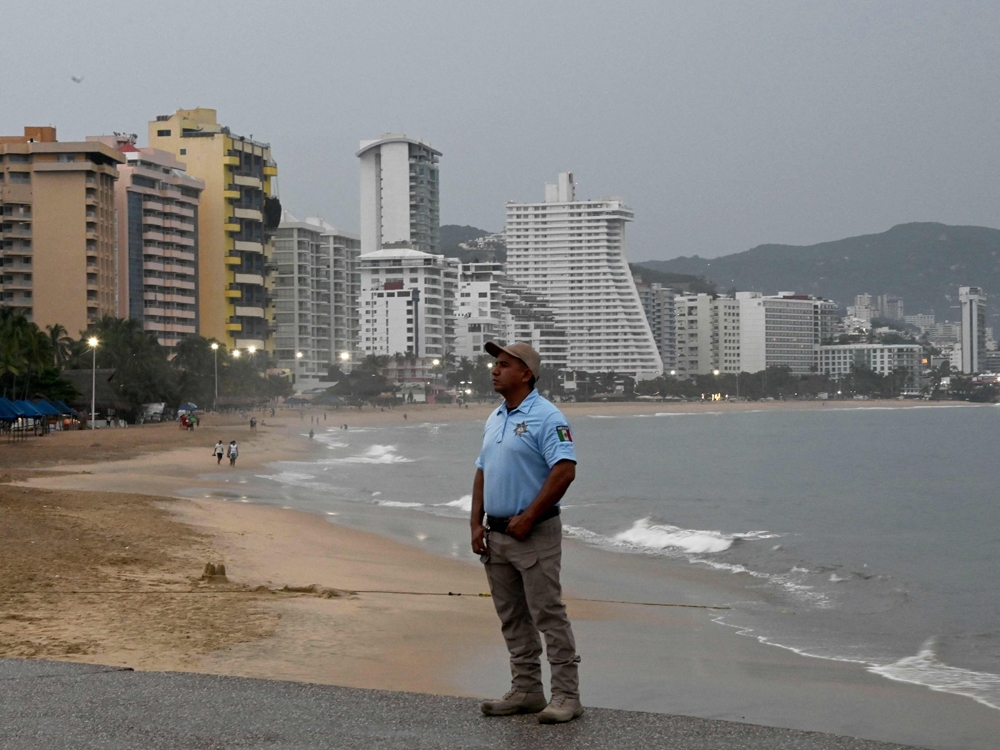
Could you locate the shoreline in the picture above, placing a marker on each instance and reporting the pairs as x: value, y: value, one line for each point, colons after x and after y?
x: 452, y: 645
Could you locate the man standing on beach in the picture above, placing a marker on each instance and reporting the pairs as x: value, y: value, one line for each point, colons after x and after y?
x: 220, y: 451
x: 526, y: 464
x: 234, y: 452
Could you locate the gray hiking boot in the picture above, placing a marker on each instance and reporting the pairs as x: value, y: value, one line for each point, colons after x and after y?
x: 514, y: 702
x: 560, y: 709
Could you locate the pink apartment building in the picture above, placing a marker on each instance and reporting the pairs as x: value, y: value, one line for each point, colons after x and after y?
x: 157, y: 206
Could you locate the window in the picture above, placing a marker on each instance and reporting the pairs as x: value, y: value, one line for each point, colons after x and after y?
x: 163, y: 133
x: 20, y: 177
x: 183, y: 150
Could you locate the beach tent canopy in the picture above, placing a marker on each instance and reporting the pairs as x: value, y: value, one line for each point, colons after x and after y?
x: 187, y: 407
x: 29, y: 409
x: 19, y: 411
x: 63, y: 409
x: 6, y: 413
x: 12, y: 407
x: 46, y: 408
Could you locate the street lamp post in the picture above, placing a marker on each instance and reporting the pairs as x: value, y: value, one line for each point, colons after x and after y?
x: 93, y: 342
x: 298, y: 357
x: 215, y: 350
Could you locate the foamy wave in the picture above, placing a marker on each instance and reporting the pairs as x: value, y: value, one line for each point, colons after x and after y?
x: 648, y: 535
x: 463, y: 503
x: 685, y: 413
x: 925, y: 669
x: 291, y: 478
x: 398, y: 504
x: 645, y: 536
x: 376, y: 454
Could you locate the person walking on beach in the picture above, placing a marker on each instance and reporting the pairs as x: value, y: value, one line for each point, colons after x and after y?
x: 526, y: 464
x: 234, y: 452
x: 311, y: 434
x: 220, y: 451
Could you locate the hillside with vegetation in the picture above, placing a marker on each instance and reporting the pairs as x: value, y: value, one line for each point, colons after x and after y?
x: 680, y: 281
x: 924, y: 263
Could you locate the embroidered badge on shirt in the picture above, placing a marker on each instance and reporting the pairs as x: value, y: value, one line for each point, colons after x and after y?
x: 564, y: 435
x: 521, y: 429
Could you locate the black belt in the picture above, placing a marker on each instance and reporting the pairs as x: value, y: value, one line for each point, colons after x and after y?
x: 499, y: 525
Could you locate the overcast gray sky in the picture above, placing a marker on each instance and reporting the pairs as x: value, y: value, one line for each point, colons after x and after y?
x: 724, y: 125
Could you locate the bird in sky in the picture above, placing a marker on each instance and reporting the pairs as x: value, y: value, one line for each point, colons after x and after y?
x: 77, y: 79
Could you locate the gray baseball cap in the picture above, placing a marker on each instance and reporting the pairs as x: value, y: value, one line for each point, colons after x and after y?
x: 520, y: 351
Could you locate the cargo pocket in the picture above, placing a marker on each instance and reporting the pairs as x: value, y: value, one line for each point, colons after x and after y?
x: 524, y: 560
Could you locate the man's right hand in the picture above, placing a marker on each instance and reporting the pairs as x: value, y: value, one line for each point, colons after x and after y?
x: 479, y: 539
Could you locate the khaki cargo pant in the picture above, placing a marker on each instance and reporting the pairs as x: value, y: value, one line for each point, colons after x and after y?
x: 524, y: 583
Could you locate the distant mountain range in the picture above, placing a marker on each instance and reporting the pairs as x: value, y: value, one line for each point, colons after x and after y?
x: 924, y: 263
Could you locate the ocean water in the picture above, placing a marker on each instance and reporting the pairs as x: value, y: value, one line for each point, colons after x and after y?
x: 878, y: 529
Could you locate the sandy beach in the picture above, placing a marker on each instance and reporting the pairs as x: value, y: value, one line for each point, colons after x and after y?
x: 103, y: 562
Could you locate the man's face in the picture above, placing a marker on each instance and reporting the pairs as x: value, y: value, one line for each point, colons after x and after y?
x: 509, y: 373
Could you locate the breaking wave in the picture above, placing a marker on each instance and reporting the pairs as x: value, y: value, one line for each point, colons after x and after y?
x: 375, y: 454
x: 926, y: 669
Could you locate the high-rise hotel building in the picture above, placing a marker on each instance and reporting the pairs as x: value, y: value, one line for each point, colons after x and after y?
x: 400, y: 202
x: 157, y: 227
x: 572, y: 253
x: 57, y: 229
x: 316, y: 289
x: 235, y: 248
x: 407, y: 303
x: 973, y: 346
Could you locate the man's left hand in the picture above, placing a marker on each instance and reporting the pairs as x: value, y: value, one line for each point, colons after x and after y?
x: 519, y: 527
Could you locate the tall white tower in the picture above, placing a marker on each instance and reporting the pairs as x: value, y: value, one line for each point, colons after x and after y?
x: 572, y: 253
x: 973, y: 327
x: 400, y: 203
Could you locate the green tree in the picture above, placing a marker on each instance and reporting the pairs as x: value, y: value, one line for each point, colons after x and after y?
x: 60, y: 343
x: 142, y: 371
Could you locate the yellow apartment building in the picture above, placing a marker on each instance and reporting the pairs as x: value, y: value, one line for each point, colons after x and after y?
x: 234, y: 245
x: 57, y: 229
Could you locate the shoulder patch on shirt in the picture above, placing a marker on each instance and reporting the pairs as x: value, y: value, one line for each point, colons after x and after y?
x: 564, y: 434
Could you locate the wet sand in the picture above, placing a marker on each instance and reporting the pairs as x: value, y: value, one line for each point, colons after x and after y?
x: 664, y: 659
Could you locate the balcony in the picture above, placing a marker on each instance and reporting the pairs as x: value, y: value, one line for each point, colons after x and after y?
x: 233, y: 294
x: 231, y: 227
x: 250, y: 312
x: 231, y: 161
x: 271, y: 170
x: 234, y: 326
x: 231, y: 194
x: 246, y: 181
x: 248, y: 213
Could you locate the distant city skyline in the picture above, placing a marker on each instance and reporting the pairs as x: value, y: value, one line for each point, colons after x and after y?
x: 723, y: 126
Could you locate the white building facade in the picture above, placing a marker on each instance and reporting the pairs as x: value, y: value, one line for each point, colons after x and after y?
x: 973, y: 334
x: 316, y: 297
x: 694, y: 332
x: 492, y: 308
x: 400, y: 201
x: 784, y: 330
x: 572, y: 254
x: 837, y: 360
x: 658, y: 303
x: 407, y: 303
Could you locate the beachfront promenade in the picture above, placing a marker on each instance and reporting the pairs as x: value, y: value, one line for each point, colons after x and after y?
x: 57, y: 705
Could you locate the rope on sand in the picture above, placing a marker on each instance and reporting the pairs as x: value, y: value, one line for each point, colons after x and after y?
x: 357, y: 591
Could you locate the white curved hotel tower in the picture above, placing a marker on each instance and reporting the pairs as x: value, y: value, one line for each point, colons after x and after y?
x: 573, y: 254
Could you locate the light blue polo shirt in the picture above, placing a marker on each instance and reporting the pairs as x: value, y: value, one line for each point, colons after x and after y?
x: 520, y: 447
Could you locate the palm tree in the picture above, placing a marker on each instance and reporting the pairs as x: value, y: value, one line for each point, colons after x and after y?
x: 60, y: 342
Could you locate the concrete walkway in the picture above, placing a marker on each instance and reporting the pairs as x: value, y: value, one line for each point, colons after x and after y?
x: 60, y: 705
